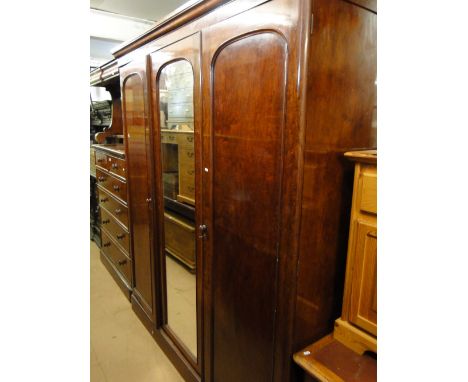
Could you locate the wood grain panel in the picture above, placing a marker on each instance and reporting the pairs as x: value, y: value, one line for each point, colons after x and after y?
x: 247, y: 143
x: 114, y: 206
x: 138, y: 162
x: 340, y: 110
x: 118, y: 257
x: 115, y: 230
x: 368, y: 201
x: 363, y: 304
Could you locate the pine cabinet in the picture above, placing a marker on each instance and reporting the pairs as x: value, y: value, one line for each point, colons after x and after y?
x: 357, y: 327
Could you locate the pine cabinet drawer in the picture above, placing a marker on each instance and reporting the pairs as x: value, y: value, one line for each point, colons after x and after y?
x: 168, y: 137
x: 113, y: 185
x: 112, y: 205
x: 117, y: 256
x: 187, y: 190
x: 186, y: 172
x: 186, y: 157
x: 115, y: 230
x: 368, y: 183
x: 186, y: 140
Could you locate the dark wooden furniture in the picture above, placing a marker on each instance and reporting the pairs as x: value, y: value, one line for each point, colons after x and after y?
x: 95, y: 225
x: 281, y: 89
x: 349, y: 353
x: 107, y: 76
x: 111, y: 175
x: 328, y: 360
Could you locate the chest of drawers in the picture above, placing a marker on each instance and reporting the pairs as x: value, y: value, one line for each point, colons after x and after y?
x: 182, y: 161
x: 111, y: 176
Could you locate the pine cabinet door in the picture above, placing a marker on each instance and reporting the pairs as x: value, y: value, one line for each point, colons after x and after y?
x: 363, y: 307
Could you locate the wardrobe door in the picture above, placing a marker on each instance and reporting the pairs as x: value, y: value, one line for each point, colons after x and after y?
x: 249, y: 73
x: 136, y: 123
x: 175, y: 83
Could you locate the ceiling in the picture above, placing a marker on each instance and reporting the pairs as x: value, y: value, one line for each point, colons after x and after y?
x: 143, y: 9
x: 115, y: 21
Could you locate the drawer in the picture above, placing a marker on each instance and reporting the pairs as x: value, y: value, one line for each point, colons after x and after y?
x: 187, y: 173
x: 112, y: 205
x: 187, y: 183
x: 117, y: 166
x: 113, y: 185
x: 186, y: 193
x: 186, y: 157
x: 368, y: 202
x: 101, y: 160
x: 179, y: 237
x: 115, y: 230
x: 186, y: 139
x: 168, y: 137
x: 117, y: 256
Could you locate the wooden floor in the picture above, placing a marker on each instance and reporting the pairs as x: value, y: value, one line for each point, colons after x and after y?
x: 121, y: 348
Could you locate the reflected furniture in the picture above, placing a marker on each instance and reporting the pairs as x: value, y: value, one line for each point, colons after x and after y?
x: 236, y: 115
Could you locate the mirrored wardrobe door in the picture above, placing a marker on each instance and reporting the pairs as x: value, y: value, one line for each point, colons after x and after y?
x: 176, y: 105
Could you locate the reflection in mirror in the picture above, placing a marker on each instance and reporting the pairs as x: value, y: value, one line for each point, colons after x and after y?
x: 100, y: 108
x: 178, y: 177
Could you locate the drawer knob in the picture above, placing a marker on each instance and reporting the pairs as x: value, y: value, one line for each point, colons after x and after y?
x: 103, y: 200
x: 190, y: 139
x: 203, y: 231
x: 101, y: 179
x: 148, y: 200
x: 121, y: 236
x: 106, y: 221
x: 123, y: 262
x: 115, y: 187
x: 190, y: 154
x: 106, y: 244
x: 117, y: 211
x: 115, y: 165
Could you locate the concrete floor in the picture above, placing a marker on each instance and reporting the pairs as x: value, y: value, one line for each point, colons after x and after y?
x: 121, y: 348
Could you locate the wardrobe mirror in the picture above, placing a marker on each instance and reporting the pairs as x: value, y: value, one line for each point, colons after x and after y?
x: 178, y: 185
